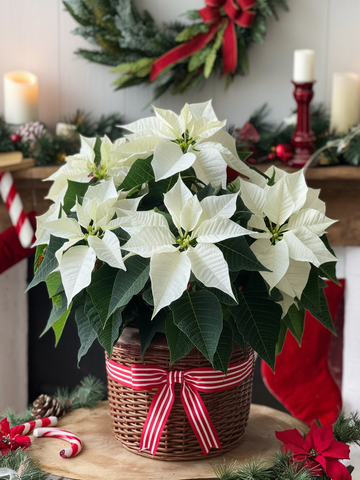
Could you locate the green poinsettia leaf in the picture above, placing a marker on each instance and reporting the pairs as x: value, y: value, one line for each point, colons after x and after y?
x: 313, y: 299
x: 59, y: 309
x: 179, y: 343
x: 282, y: 336
x: 53, y: 283
x: 39, y: 253
x: 258, y: 318
x: 223, y: 297
x: 130, y: 282
x: 239, y: 255
x: 140, y: 172
x: 100, y: 290
x: 295, y: 322
x: 148, y: 328
x: 148, y: 296
x: 87, y: 334
x: 109, y: 334
x: 242, y: 214
x: 97, y: 151
x: 157, y: 190
x: 207, y: 191
x: 49, y: 262
x: 59, y: 325
x: 237, y: 336
x: 199, y: 316
x: 328, y: 270
x: 74, y: 190
x: 224, y: 349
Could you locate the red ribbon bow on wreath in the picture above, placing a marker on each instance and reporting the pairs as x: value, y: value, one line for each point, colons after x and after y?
x: 216, y: 12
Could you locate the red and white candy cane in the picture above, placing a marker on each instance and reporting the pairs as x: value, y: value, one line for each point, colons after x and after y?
x: 28, y: 427
x: 74, y: 441
x: 12, y: 200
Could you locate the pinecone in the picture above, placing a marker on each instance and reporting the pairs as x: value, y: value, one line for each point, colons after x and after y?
x: 46, y: 406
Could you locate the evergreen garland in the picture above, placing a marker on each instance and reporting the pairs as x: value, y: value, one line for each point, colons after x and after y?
x: 20, y: 462
x: 330, y: 149
x: 49, y: 149
x: 131, y: 42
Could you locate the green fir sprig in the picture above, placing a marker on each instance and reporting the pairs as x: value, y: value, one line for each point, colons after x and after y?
x: 347, y: 428
x: 20, y: 461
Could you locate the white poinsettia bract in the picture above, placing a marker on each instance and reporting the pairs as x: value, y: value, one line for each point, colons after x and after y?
x: 199, y: 225
x: 294, y: 217
x: 195, y: 138
x: 89, y: 237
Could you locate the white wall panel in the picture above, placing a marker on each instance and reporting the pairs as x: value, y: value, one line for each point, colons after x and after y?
x: 29, y: 40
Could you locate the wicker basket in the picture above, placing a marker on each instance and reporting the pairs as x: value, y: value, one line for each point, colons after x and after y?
x: 228, y: 410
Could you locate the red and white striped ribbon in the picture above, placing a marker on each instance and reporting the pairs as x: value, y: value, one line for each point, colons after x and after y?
x: 28, y: 427
x: 12, y: 200
x: 193, y: 381
x: 75, y: 442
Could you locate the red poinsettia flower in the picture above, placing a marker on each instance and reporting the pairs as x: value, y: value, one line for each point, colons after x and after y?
x: 318, y: 451
x: 11, y: 438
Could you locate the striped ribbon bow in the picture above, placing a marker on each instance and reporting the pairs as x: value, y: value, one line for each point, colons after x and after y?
x: 193, y: 381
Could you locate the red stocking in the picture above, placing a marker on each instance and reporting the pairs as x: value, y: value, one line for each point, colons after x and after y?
x: 11, y: 251
x: 302, y: 381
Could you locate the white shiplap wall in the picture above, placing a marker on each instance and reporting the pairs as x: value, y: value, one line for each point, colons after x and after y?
x: 36, y: 36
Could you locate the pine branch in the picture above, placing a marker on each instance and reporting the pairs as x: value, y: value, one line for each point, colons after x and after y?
x: 17, y: 418
x: 21, y: 462
x: 347, y: 428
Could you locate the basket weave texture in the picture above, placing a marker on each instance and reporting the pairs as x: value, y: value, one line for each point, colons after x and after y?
x: 228, y: 409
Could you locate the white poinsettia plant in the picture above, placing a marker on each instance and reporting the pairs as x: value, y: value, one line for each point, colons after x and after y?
x: 147, y: 231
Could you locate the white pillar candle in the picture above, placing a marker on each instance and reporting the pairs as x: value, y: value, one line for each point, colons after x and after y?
x: 345, y: 103
x: 304, y: 66
x: 21, y: 92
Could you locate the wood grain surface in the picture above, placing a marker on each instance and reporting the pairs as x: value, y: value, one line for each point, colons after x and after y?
x: 103, y: 457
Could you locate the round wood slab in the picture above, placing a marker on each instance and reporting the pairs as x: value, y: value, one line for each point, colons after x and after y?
x: 103, y: 457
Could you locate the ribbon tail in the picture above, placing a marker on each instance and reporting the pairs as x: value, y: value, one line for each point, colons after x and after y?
x: 199, y: 419
x: 229, y: 49
x: 183, y: 51
x: 157, y: 417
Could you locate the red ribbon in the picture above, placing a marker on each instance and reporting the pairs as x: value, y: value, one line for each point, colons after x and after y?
x: 237, y: 12
x: 193, y: 381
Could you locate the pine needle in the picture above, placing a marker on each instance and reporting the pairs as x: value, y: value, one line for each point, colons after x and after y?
x: 17, y: 419
x: 347, y: 428
x: 20, y: 461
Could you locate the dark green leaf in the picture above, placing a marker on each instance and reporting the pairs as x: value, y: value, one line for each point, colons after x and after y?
x: 59, y: 310
x: 207, y: 191
x: 295, y: 321
x: 130, y: 282
x: 237, y: 336
x: 199, y: 316
x: 148, y: 296
x: 74, y: 190
x: 179, y: 343
x: 101, y: 290
x: 239, y: 255
x: 49, y: 262
x: 224, y: 349
x: 140, y: 172
x: 97, y: 151
x: 148, y: 328
x: 53, y: 282
x: 86, y: 333
x: 242, y: 214
x: 282, y: 336
x: 157, y: 190
x: 258, y: 318
x: 38, y: 256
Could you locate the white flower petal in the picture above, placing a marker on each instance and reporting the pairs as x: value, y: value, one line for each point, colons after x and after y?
x: 279, y: 203
x: 274, y: 257
x: 217, y: 229
x: 150, y: 240
x: 257, y: 222
x: 297, y: 188
x: 313, y: 201
x: 210, y: 267
x: 204, y: 109
x: 64, y: 228
x: 279, y: 173
x: 295, y: 279
x: 169, y: 274
x: 169, y: 159
x: 253, y: 196
x: 299, y: 251
x: 172, y: 121
x: 204, y: 128
x: 209, y: 165
x: 76, y: 267
x: 135, y: 222
x: 59, y: 253
x: 223, y: 206
x: 190, y: 214
x: 314, y: 243
x: 312, y: 219
x: 149, y: 123
x: 107, y: 249
x: 175, y: 200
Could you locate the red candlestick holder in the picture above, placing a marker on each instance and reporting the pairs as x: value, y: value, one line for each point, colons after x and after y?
x: 303, y: 138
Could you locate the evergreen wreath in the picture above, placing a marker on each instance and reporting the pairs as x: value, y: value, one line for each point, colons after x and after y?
x: 179, y: 57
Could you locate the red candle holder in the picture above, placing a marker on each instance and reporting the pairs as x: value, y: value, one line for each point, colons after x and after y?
x: 303, y: 138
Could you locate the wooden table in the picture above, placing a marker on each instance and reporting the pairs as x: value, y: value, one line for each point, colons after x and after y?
x: 103, y: 457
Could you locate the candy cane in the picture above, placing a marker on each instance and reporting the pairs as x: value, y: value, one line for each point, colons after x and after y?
x: 11, y: 198
x: 75, y: 441
x: 42, y: 422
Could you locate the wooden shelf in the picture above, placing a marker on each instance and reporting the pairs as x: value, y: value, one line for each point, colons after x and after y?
x: 340, y: 189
